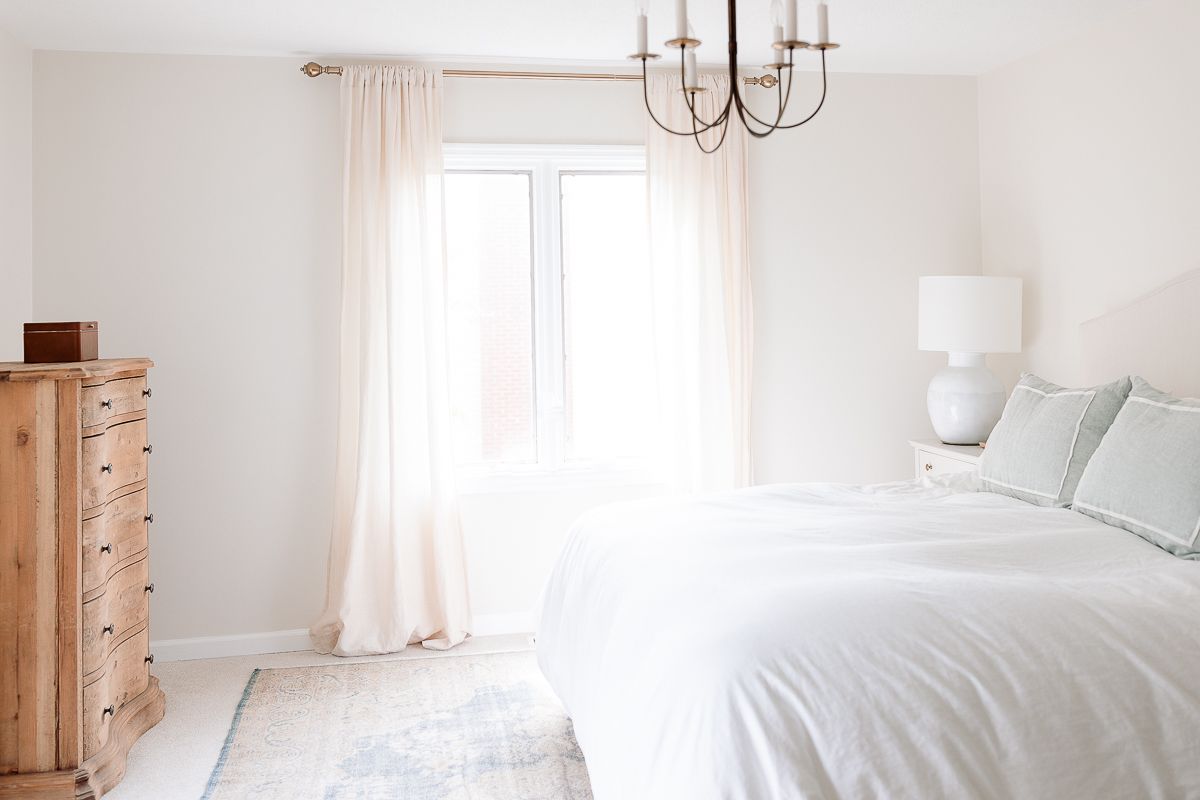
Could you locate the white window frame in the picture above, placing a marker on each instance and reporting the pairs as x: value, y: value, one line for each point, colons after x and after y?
x: 545, y: 164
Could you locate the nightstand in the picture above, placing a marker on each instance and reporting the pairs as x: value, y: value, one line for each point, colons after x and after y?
x: 934, y: 458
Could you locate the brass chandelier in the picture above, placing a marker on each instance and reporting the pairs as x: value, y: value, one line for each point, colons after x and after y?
x: 786, y: 43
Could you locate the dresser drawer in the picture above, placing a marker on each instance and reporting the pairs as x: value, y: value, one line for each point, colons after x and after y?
x: 112, y: 460
x: 108, y: 617
x: 112, y: 399
x: 112, y: 537
x: 125, y: 675
x: 930, y: 464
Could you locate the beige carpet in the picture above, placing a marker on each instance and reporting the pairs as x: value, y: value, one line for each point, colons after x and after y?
x: 468, y: 728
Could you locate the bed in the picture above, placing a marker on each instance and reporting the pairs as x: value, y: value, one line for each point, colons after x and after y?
x: 919, y: 639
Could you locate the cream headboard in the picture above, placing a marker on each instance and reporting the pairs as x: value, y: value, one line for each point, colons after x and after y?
x: 1156, y: 336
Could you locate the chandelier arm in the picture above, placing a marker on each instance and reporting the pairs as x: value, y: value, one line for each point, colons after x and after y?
x: 779, y: 88
x: 743, y: 113
x: 783, y: 98
x: 650, y: 111
x: 690, y: 100
x: 707, y: 126
x: 824, y: 91
x: 691, y: 104
x: 734, y: 95
x: 787, y: 96
x: 772, y: 125
x: 721, y: 141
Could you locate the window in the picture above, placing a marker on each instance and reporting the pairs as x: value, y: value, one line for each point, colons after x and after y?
x: 550, y: 341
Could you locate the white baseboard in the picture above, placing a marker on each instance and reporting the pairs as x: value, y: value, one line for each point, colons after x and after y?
x: 256, y: 644
x: 241, y: 644
x: 500, y: 624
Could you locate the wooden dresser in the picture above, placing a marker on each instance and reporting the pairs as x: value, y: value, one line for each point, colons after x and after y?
x: 75, y: 684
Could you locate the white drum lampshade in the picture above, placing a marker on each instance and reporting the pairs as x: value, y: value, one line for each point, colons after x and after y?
x: 968, y: 316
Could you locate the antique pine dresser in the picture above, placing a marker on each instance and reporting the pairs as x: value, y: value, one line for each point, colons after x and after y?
x: 75, y: 684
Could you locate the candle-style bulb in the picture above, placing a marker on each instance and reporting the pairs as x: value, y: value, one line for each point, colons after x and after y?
x: 776, y: 21
x: 789, y: 24
x: 822, y: 23
x: 681, y: 19
x: 690, y: 79
x: 641, y: 11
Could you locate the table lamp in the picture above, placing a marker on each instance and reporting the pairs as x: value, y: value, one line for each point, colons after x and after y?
x: 968, y: 316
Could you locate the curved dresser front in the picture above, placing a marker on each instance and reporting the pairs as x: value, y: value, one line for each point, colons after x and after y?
x: 75, y: 685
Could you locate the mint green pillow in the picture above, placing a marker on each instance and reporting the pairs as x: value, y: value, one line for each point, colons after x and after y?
x: 1145, y: 476
x: 1045, y: 438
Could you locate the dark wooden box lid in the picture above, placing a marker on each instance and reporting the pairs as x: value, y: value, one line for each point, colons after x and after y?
x: 60, y: 327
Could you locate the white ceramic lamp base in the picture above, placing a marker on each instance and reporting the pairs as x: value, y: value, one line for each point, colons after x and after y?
x: 965, y: 400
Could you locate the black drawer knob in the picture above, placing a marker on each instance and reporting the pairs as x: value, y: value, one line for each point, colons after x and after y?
x: 148, y: 449
x: 147, y: 392
x: 106, y: 548
x: 109, y: 710
x: 150, y: 588
x: 107, y: 468
x: 150, y: 658
x: 150, y: 518
x: 110, y: 628
x: 107, y: 404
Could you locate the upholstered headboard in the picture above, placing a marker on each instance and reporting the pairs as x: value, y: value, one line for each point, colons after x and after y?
x: 1156, y: 336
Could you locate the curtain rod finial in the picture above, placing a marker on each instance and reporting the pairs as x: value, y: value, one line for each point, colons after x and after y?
x: 312, y: 69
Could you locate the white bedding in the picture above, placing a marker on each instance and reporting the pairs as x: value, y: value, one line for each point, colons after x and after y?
x: 898, y: 641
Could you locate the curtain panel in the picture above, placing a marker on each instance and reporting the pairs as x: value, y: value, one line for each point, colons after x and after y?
x: 397, y: 573
x: 700, y: 265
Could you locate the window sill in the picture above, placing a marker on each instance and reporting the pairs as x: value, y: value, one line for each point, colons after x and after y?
x: 535, y: 480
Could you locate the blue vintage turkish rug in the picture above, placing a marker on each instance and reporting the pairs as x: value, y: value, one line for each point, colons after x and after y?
x: 483, y: 727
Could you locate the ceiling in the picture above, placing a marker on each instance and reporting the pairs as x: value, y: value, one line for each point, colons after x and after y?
x: 902, y: 36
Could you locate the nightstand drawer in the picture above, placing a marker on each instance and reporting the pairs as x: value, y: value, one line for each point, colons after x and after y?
x: 931, y: 464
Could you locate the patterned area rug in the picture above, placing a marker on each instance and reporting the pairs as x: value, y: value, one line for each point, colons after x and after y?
x: 483, y: 727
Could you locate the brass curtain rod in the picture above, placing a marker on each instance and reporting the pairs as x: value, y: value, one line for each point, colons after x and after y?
x: 312, y: 69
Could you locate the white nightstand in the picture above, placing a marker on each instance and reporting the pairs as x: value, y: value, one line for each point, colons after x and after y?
x: 934, y: 458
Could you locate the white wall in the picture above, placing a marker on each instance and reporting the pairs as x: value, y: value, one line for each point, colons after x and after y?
x: 541, y: 112
x: 846, y: 213
x: 16, y: 193
x: 1090, y: 170
x: 191, y: 204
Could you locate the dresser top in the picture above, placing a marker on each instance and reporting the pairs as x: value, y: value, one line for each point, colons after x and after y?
x: 100, y: 368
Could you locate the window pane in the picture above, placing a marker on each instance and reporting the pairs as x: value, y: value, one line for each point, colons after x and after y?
x: 607, y: 333
x: 489, y: 295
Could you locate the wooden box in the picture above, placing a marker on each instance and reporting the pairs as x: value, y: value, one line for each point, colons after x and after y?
x: 55, y: 342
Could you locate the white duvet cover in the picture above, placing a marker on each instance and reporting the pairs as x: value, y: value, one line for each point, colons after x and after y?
x: 898, y: 641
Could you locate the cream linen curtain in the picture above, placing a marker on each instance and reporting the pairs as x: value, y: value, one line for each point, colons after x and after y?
x: 700, y: 266
x: 396, y: 568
